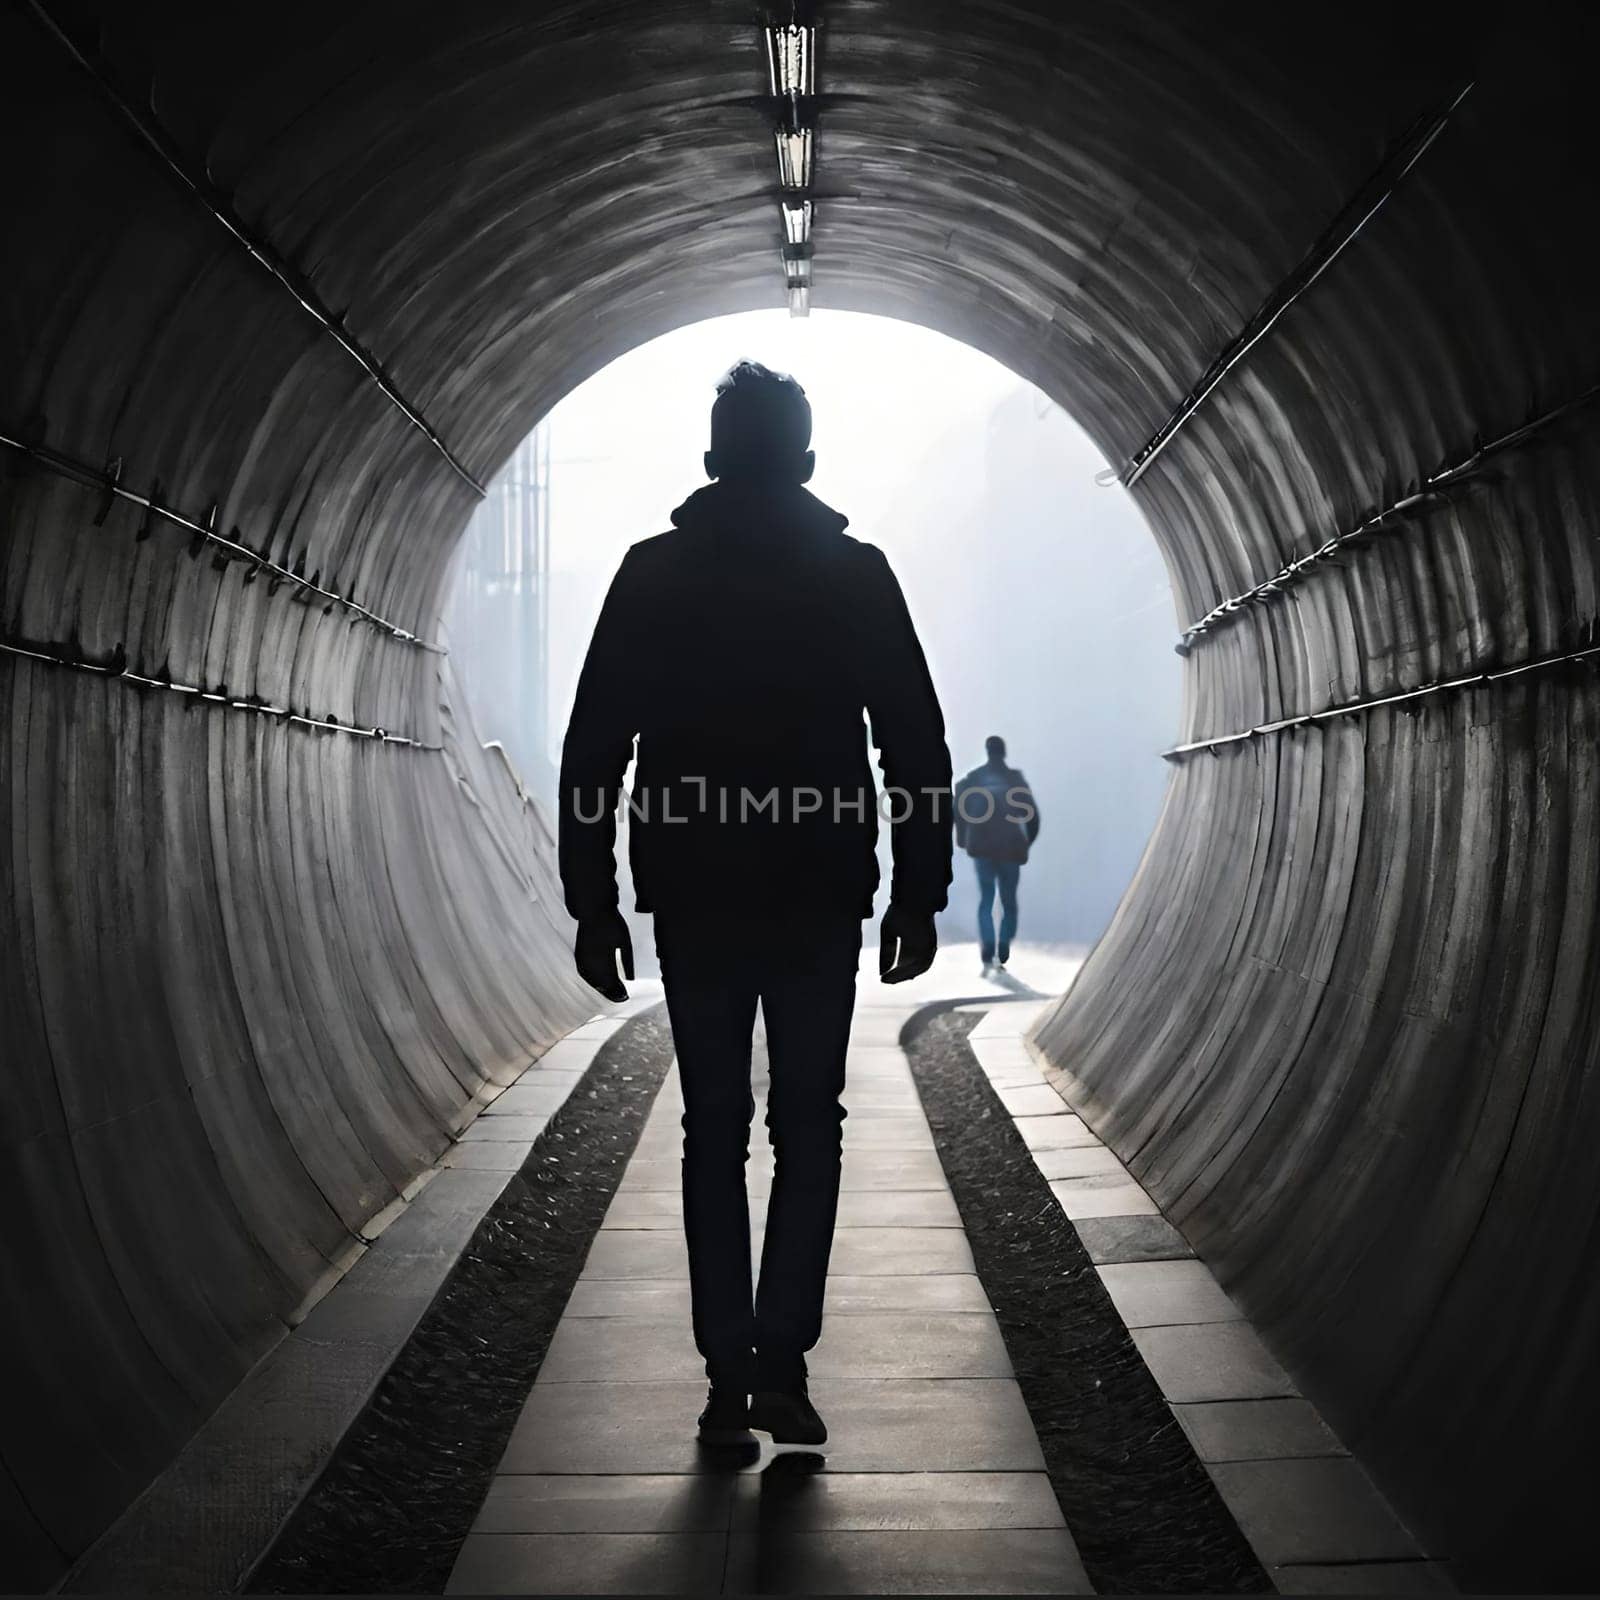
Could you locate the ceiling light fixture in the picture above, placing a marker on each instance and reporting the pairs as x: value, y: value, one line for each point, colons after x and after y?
x: 797, y: 222
x: 794, y: 158
x: 792, y: 61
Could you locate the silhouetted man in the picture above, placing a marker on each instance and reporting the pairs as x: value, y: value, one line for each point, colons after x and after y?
x: 741, y: 649
x: 997, y: 820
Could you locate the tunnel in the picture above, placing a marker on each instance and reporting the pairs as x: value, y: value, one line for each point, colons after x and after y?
x: 285, y: 284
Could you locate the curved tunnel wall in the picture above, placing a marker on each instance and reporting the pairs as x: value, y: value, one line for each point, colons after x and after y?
x: 256, y: 971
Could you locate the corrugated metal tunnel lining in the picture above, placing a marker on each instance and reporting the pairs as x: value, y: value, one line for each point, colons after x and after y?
x: 255, y: 971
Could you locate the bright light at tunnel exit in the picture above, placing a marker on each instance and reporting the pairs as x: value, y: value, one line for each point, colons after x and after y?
x: 1043, y: 605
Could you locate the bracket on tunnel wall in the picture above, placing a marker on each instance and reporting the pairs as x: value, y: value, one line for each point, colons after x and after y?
x: 1363, y: 206
x: 1430, y: 489
x: 115, y: 666
x: 110, y: 485
x: 1590, y: 655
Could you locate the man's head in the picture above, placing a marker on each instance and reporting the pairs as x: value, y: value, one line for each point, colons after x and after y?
x: 996, y: 747
x: 760, y: 426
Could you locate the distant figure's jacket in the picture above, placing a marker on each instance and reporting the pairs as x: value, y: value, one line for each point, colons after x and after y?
x: 997, y: 818
x: 741, y: 649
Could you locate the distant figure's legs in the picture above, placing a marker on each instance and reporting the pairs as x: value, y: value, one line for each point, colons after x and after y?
x: 711, y: 1000
x: 986, y: 883
x: 1006, y: 875
x: 807, y: 995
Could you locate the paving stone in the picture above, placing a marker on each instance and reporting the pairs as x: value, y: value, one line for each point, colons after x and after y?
x: 525, y: 1128
x: 1253, y: 1430
x: 1014, y: 1018
x: 598, y: 1028
x: 892, y: 1169
x: 637, y: 1253
x: 1016, y: 1077
x: 927, y: 1425
x: 850, y: 1295
x: 887, y: 1132
x: 1036, y: 1100
x: 645, y: 1208
x: 666, y: 1300
x: 1080, y: 1161
x: 574, y: 1051
x: 1148, y: 1294
x: 626, y: 1349
x: 1107, y: 1196
x: 632, y: 1428
x: 1211, y: 1361
x: 1142, y: 1238
x: 873, y: 1025
x: 889, y: 1344
x: 898, y: 1208
x: 881, y: 1093
x: 996, y: 1052
x: 488, y: 1155
x: 1311, y: 1511
x: 527, y: 1098
x: 699, y: 1502
x: 1055, y: 1132
x: 590, y: 1563
x: 1365, y: 1577
x: 663, y: 1144
x: 861, y: 1252
x: 884, y: 1501
x: 982, y: 1561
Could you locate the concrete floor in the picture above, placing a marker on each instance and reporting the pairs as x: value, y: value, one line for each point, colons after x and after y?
x: 932, y: 1480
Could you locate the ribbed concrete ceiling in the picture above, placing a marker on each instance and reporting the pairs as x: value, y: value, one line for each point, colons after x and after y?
x: 256, y: 972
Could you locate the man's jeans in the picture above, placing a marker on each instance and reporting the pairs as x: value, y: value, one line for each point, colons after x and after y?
x: 803, y: 972
x: 991, y: 875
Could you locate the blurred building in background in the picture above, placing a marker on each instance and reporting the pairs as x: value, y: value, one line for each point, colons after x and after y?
x: 497, y: 620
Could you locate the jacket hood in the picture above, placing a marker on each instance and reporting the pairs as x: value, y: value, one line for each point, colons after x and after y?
x: 738, y: 503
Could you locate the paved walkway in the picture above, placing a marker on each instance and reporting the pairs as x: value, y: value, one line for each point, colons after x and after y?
x: 932, y: 1480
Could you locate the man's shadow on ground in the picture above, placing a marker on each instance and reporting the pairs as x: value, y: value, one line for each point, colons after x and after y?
x: 766, y: 1545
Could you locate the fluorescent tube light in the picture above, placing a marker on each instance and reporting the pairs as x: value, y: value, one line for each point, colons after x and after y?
x: 794, y: 157
x: 797, y: 222
x: 792, y: 61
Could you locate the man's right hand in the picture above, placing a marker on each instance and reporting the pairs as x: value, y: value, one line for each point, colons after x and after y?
x: 600, y: 941
x: 907, y: 944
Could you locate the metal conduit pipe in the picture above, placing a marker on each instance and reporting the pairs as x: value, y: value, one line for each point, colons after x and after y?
x: 1344, y: 1026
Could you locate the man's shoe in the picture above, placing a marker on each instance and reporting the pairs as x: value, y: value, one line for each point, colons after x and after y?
x: 788, y: 1415
x: 726, y: 1418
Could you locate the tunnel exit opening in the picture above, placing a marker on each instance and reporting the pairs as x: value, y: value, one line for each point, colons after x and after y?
x: 1042, y: 599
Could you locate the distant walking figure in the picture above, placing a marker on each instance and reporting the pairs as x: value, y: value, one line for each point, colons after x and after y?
x: 997, y: 820
x: 741, y: 649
